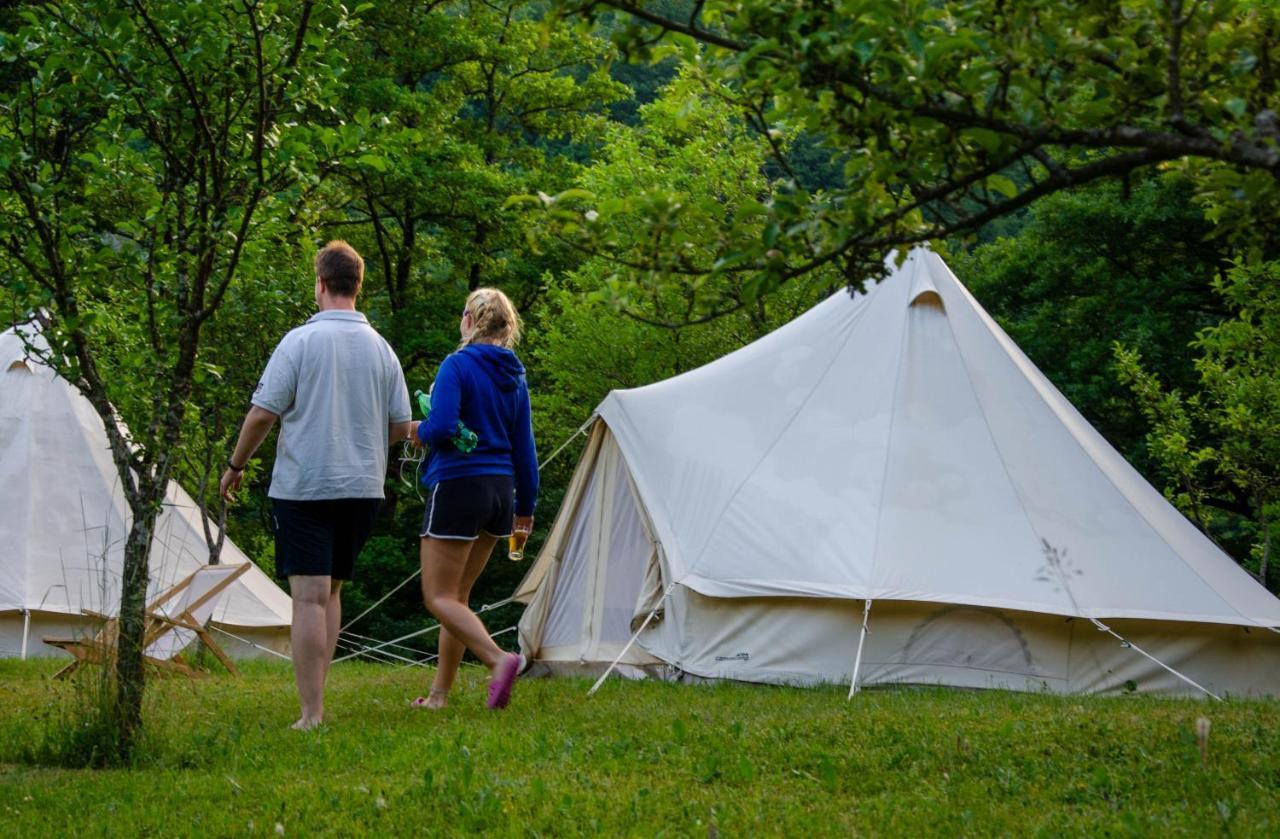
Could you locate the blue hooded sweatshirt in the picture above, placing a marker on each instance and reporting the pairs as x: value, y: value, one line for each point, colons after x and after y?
x: 484, y: 386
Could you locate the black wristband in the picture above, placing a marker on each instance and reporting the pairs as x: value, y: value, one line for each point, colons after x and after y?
x: 233, y: 467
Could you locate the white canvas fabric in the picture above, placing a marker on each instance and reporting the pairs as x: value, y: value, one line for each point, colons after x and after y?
x: 64, y: 521
x: 178, y: 639
x: 805, y: 641
x: 893, y: 446
x: 592, y: 604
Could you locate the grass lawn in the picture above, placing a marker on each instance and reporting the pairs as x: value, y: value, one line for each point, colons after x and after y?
x: 642, y: 759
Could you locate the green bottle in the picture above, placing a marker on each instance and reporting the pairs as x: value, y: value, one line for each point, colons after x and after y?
x: 464, y: 439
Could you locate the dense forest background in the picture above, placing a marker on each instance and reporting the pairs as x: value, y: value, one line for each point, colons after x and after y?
x: 169, y: 170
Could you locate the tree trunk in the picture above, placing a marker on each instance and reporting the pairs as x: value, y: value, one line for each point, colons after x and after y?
x: 209, y: 472
x: 130, y: 673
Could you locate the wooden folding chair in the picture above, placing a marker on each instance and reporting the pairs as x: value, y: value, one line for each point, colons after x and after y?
x: 174, y: 619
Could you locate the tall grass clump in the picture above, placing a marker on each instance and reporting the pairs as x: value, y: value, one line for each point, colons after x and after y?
x: 79, y: 727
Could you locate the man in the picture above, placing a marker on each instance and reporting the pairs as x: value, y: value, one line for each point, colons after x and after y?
x: 338, y: 390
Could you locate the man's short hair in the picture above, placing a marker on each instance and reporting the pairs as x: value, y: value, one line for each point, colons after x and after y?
x: 341, y: 268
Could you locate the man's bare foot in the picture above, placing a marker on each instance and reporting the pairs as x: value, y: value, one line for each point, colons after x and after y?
x: 307, y: 723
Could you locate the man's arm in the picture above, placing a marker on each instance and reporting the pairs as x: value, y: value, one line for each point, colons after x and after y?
x: 398, y: 431
x: 257, y: 424
x: 398, y: 404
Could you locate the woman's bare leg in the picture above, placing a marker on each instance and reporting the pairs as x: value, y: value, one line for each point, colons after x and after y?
x: 452, y: 649
x: 444, y: 569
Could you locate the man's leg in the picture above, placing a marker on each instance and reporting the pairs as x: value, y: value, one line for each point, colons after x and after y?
x: 351, y: 521
x: 333, y: 623
x: 311, y: 648
x: 452, y: 649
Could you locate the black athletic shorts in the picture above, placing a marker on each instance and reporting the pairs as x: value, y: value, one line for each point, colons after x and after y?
x: 460, y: 508
x: 321, y: 538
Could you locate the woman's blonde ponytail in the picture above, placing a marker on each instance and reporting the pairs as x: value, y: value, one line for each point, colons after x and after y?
x: 494, y: 320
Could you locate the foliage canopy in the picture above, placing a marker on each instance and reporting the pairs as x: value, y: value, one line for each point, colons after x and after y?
x: 947, y: 116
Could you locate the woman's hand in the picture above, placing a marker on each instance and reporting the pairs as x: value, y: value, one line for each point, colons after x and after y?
x: 413, y: 439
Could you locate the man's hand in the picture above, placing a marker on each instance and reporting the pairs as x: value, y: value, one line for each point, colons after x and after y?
x: 230, y: 483
x: 413, y: 434
x: 254, y: 430
x: 524, y: 523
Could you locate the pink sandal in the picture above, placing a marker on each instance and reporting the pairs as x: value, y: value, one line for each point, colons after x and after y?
x: 504, y: 680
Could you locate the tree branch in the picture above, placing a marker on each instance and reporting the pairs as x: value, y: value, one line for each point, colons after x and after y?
x: 193, y: 95
x: 669, y: 25
x: 260, y: 123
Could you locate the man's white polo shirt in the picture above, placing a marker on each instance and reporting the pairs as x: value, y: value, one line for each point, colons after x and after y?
x: 336, y: 385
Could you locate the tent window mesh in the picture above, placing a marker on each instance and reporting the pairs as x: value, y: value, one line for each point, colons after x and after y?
x: 629, y: 551
x: 564, y: 623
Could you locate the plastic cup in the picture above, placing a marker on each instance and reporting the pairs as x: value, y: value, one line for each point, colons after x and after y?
x: 515, y: 545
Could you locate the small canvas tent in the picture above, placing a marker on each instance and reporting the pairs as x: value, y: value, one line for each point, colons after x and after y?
x: 63, y: 523
x: 891, y: 456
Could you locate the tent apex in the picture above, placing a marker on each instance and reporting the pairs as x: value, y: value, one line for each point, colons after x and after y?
x: 924, y: 291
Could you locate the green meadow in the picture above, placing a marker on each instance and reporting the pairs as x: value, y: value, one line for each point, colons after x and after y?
x: 639, y: 759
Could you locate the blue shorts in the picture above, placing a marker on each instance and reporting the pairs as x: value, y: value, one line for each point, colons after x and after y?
x: 462, y: 508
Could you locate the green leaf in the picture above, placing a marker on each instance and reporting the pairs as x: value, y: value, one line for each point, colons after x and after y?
x: 1002, y: 185
x: 770, y: 235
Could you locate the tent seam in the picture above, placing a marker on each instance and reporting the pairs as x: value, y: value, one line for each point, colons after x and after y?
x: 1004, y: 465
x: 888, y: 447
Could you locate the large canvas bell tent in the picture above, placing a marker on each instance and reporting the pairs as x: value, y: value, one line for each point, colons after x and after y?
x: 890, y: 457
x: 63, y: 523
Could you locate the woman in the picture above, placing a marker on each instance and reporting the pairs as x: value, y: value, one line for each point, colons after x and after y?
x: 477, y: 494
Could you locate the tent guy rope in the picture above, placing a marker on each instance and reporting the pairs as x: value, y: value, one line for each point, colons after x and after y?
x: 246, y: 641
x: 488, y: 608
x: 1054, y: 558
x: 627, y: 648
x: 1127, y: 644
